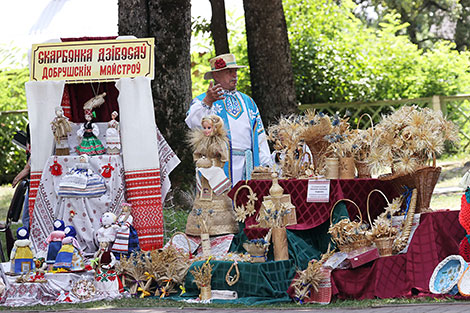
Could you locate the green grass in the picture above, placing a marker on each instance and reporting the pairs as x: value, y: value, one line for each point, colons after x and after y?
x: 6, y: 193
x: 156, y: 302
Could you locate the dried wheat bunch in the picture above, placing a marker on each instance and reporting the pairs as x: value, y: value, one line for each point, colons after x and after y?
x: 202, y: 275
x: 410, y: 138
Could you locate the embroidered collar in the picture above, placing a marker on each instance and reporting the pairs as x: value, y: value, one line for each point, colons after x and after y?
x: 230, y: 92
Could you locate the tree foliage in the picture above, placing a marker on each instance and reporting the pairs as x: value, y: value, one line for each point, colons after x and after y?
x: 338, y: 58
x: 12, y: 97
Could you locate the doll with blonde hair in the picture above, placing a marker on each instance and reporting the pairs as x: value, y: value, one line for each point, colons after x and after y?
x: 212, y: 210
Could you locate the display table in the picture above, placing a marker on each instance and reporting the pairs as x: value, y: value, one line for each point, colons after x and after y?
x: 57, y: 289
x: 437, y: 236
x: 258, y: 282
x: 311, y: 215
x: 81, y: 212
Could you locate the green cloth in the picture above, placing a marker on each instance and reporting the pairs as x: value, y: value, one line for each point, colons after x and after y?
x: 304, y: 245
x: 259, y: 282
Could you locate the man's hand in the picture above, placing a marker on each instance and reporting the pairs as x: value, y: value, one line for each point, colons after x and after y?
x: 21, y: 175
x: 213, y: 94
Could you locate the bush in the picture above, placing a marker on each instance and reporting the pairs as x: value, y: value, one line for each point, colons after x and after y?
x: 12, y: 97
x: 336, y: 58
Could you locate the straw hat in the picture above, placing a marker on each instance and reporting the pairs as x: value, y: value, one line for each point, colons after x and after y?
x: 222, y: 62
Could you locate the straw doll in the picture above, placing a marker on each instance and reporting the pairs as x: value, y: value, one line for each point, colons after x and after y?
x: 61, y: 127
x: 113, y: 140
x: 212, y: 210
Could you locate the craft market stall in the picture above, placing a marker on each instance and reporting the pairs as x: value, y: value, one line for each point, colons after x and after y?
x: 322, y: 222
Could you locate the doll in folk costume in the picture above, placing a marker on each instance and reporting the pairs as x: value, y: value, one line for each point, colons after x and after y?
x: 106, y: 235
x: 212, y: 210
x: 22, y: 254
x: 54, y: 241
x: 113, y: 139
x: 81, y: 181
x: 127, y: 240
x: 88, y: 132
x: 61, y: 127
x: 106, y: 279
x: 70, y: 255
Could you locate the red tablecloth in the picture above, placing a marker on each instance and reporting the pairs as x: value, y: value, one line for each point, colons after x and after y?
x: 310, y: 215
x: 438, y: 236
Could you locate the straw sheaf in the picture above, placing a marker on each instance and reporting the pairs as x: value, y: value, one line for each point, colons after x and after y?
x: 410, y: 138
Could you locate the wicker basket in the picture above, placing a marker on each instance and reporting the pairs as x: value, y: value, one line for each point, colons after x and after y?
x: 423, y: 179
x: 384, y: 244
x: 363, y: 170
x: 357, y: 243
x: 362, y: 167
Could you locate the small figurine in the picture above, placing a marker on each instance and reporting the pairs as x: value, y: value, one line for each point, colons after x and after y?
x: 70, y: 254
x: 90, y: 143
x: 113, y: 139
x: 127, y: 240
x: 212, y: 207
x: 54, y: 241
x: 81, y: 181
x: 61, y: 127
x: 106, y: 259
x: 22, y: 254
x: 107, y: 231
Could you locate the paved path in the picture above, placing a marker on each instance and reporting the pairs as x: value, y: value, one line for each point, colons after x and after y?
x: 458, y: 307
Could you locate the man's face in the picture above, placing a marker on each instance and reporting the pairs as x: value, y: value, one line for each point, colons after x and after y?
x: 226, y: 78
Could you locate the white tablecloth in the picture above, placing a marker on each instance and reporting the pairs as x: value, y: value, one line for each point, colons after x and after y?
x: 86, y: 220
x: 57, y: 289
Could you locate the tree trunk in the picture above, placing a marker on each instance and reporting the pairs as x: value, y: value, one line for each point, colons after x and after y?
x: 169, y: 21
x: 272, y: 78
x: 219, y: 27
x: 133, y: 18
x: 462, y: 30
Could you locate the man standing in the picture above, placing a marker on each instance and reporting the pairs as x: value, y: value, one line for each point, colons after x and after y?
x: 248, y: 144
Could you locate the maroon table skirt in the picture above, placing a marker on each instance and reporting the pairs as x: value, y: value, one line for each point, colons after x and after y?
x: 311, y: 215
x: 438, y: 236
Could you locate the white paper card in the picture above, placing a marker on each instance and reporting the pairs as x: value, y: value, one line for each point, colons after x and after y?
x: 318, y: 190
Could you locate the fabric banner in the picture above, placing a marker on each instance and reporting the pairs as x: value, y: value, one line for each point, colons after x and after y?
x: 141, y: 159
x: 42, y: 98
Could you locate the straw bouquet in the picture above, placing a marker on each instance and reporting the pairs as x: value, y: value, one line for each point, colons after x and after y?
x: 409, y: 139
x: 310, y: 278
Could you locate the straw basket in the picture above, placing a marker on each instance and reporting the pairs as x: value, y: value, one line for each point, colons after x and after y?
x: 257, y: 253
x: 423, y: 179
x: 360, y: 242
x: 318, y: 148
x: 363, y: 170
x: 332, y: 168
x: 187, y: 241
x: 385, y: 244
x: 347, y: 169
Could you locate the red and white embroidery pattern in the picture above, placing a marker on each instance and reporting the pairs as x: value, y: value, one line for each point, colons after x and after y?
x: 144, y: 193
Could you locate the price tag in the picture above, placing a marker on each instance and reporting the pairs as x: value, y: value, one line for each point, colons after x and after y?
x: 318, y: 190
